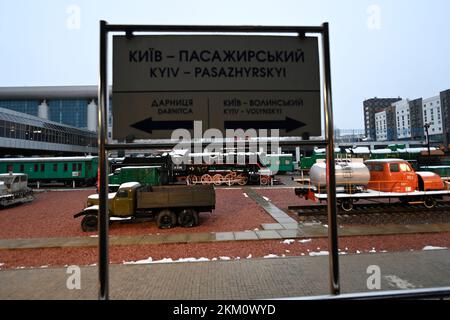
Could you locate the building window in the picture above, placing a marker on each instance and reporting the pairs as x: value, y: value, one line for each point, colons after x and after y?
x: 36, y: 168
x: 42, y: 167
x: 65, y: 167
x: 22, y: 168
x: 55, y: 167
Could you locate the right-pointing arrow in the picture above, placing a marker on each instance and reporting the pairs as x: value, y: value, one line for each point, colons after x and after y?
x: 288, y: 124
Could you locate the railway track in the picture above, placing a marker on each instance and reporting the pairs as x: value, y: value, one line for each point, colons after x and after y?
x: 378, y: 213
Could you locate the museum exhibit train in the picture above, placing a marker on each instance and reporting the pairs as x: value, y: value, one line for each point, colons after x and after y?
x: 14, y: 189
x: 69, y: 170
x: 417, y: 157
x: 206, y: 168
x: 171, y: 205
x: 376, y: 179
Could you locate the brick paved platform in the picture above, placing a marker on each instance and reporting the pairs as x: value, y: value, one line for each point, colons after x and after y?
x: 237, y: 279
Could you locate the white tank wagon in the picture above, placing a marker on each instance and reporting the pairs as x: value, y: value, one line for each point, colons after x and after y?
x: 349, y: 175
x: 14, y: 189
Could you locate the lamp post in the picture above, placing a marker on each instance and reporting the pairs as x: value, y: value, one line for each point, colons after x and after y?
x: 427, y: 126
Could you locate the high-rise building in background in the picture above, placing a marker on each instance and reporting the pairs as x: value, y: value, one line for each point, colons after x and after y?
x: 371, y: 107
x: 445, y: 108
x: 391, y: 119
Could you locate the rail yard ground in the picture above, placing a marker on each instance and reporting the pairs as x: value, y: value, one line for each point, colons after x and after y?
x: 249, y: 224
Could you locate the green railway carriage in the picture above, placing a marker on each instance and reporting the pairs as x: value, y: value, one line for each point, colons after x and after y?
x: 70, y: 170
x: 280, y: 163
x: 145, y: 175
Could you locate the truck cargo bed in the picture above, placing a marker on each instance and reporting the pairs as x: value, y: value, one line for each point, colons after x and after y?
x: 150, y: 197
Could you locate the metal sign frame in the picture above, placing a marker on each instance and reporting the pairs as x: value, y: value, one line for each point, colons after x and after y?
x: 103, y: 146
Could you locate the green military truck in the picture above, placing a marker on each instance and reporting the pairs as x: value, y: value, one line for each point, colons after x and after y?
x: 171, y: 205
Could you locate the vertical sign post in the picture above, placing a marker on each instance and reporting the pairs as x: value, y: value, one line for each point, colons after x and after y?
x: 331, y: 177
x: 103, y: 218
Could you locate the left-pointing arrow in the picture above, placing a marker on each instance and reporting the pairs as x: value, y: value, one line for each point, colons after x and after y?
x: 148, y: 125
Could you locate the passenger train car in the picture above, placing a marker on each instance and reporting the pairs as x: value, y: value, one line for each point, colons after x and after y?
x: 80, y: 171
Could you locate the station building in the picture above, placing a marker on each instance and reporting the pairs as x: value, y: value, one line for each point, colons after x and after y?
x: 49, y: 120
x: 24, y: 134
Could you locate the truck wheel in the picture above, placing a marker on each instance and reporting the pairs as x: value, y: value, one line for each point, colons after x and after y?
x: 166, y: 219
x: 89, y: 223
x: 188, y: 218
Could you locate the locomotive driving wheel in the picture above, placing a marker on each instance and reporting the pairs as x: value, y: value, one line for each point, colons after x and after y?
x: 217, y: 179
x: 206, y: 179
x: 192, y: 179
x: 242, y: 180
x: 228, y: 179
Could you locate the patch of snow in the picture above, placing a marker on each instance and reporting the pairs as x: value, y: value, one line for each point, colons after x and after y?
x: 325, y: 226
x: 214, y: 259
x: 304, y: 240
x: 320, y: 253
x: 94, y: 236
x: 245, y: 195
x: 270, y: 256
x: 224, y: 258
x: 302, y: 254
x: 343, y: 253
x: 144, y: 261
x: 288, y: 241
x: 426, y: 248
x: 42, y: 267
x: 256, y: 229
x: 287, y: 251
x: 373, y: 250
x: 267, y: 199
x: 357, y: 251
x: 399, y: 283
x: 163, y: 260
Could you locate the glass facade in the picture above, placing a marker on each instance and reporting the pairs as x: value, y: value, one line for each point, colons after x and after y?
x: 17, y: 127
x: 26, y: 106
x: 72, y: 112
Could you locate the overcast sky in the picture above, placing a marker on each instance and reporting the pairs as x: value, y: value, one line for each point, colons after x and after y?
x: 379, y: 48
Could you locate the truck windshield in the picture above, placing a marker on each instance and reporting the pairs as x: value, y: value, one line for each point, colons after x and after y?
x: 122, y: 194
